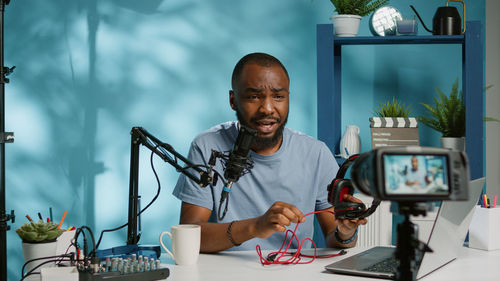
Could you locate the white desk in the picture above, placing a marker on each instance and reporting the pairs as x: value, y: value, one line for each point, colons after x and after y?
x: 245, y: 265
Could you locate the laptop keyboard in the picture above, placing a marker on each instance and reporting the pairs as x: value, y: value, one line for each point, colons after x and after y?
x: 389, y: 265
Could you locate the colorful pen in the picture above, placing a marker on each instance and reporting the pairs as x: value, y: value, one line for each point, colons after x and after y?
x: 28, y: 217
x: 485, y: 201
x: 62, y: 219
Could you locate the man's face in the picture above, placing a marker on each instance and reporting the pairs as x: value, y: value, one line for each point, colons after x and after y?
x: 261, y: 100
x: 414, y: 163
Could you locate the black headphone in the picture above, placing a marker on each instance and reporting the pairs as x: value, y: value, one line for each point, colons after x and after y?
x: 339, y: 187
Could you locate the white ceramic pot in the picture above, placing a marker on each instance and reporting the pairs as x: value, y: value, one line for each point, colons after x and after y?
x: 453, y: 143
x: 350, y: 143
x: 38, y: 250
x: 346, y: 25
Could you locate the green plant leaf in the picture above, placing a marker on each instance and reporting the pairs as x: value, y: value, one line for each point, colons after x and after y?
x: 39, y: 232
x: 447, y: 114
x: 53, y: 234
x: 393, y: 108
x: 30, y: 236
x: 357, y: 7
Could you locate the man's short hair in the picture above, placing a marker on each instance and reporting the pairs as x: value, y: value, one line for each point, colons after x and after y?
x: 261, y: 59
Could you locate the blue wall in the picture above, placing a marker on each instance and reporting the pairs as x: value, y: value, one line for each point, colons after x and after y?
x: 88, y: 70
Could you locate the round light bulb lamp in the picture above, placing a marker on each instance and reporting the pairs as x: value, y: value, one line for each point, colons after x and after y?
x: 383, y: 21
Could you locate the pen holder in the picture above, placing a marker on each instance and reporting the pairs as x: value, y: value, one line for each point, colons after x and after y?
x: 64, y: 245
x: 484, y: 229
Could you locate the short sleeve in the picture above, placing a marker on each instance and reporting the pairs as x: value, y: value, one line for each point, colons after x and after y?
x: 189, y: 191
x: 327, y: 169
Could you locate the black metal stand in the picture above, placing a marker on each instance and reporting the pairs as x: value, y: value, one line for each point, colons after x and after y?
x: 409, y: 250
x: 5, y: 137
x: 141, y: 136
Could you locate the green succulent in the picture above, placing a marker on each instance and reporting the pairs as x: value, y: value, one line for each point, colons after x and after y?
x: 393, y: 108
x: 447, y: 115
x: 357, y: 7
x: 38, y: 232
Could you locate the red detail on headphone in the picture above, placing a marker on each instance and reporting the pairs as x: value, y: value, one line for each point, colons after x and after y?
x: 340, y: 187
x: 343, y: 192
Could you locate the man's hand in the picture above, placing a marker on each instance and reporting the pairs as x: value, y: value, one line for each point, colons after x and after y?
x: 214, y: 236
x: 348, y: 227
x: 279, y: 215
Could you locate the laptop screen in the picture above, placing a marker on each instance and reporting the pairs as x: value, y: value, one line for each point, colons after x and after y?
x: 449, y: 230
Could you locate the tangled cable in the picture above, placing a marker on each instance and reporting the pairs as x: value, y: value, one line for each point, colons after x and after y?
x: 283, y: 256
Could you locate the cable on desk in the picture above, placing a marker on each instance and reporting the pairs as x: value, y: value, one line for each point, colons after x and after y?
x: 283, y: 256
x: 58, y: 258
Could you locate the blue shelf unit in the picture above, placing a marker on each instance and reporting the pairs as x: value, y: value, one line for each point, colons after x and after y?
x: 329, y: 62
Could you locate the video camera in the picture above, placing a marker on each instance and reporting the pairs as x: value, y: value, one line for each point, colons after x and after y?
x: 412, y: 174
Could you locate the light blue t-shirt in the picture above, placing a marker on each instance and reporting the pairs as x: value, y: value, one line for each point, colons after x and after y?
x: 418, y: 175
x: 298, y: 173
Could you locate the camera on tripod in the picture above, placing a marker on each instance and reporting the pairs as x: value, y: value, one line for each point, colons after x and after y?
x: 412, y: 174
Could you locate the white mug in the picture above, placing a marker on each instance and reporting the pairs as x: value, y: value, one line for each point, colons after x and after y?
x: 186, y: 240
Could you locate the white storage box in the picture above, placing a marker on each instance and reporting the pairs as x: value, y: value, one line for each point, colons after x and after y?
x: 59, y: 274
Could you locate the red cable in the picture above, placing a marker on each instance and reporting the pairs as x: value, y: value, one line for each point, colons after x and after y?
x: 282, y: 256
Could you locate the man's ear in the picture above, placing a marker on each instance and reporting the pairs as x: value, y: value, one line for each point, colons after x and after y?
x: 232, y: 99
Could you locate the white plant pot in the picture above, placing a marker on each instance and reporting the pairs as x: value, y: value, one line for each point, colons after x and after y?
x: 453, y: 143
x: 38, y: 250
x: 346, y: 25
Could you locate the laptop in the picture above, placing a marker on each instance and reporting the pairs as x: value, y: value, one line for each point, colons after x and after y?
x: 446, y: 239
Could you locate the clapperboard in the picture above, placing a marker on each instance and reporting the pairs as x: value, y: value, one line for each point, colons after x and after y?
x: 392, y: 131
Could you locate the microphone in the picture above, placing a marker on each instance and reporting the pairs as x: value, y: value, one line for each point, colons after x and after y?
x: 237, y: 163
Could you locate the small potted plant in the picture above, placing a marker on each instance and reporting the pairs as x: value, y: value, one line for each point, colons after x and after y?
x: 392, y: 125
x: 350, y: 12
x: 394, y: 108
x: 39, y: 240
x: 447, y: 116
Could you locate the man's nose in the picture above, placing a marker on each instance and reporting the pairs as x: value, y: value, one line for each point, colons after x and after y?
x: 266, y: 106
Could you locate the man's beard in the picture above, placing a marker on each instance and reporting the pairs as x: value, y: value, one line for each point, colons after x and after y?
x: 260, y: 143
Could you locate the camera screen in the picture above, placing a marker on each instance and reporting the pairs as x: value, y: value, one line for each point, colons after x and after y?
x: 416, y: 174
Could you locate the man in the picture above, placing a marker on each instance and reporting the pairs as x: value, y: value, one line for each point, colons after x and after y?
x: 289, y: 178
x: 416, y: 176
